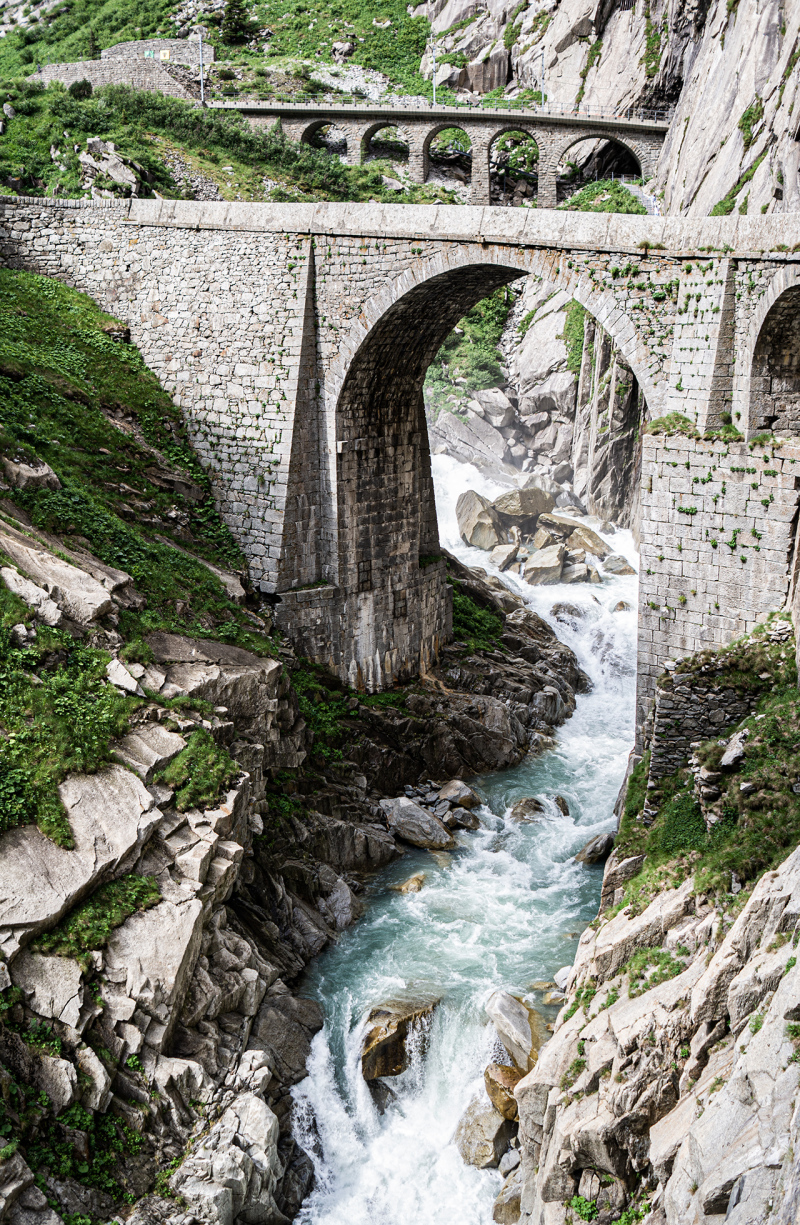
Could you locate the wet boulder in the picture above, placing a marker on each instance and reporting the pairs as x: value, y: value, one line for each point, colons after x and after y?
x: 504, y: 555
x: 501, y: 1081
x: 584, y: 538
x: 597, y: 849
x: 461, y: 818
x: 529, y: 809
x: 412, y: 885
x: 392, y: 1029
x: 524, y: 503
x: 413, y: 824
x: 520, y: 1028
x: 482, y: 1135
x: 544, y: 566
x: 508, y: 1205
x: 458, y: 793
x: 478, y: 522
x: 615, y: 563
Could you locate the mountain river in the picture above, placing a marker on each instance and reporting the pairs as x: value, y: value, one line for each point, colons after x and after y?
x: 504, y: 909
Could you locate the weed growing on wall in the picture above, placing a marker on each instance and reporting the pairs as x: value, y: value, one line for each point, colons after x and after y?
x: 758, y: 813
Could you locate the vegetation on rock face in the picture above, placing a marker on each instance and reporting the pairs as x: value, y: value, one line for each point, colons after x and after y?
x: 476, y: 627
x: 57, y: 715
x: 88, y: 926
x: 757, y: 817
x: 200, y: 772
x: 470, y: 354
x: 604, y: 196
x: 85, y: 403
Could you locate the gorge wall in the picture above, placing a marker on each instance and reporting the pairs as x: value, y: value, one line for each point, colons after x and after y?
x: 729, y: 70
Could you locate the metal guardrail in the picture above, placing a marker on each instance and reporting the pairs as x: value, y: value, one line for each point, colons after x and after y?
x: 304, y: 102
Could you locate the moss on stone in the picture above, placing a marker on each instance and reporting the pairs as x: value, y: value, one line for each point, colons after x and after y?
x: 87, y: 927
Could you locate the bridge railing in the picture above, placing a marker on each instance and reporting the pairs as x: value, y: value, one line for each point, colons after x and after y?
x: 302, y: 101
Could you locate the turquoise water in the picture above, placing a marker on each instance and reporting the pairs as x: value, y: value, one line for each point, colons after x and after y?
x: 503, y: 910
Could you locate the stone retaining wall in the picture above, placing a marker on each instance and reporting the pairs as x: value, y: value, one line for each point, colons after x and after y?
x: 144, y: 74
x: 181, y: 50
x: 690, y: 707
x: 717, y: 545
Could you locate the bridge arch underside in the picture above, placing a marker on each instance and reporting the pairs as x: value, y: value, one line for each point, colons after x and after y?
x: 775, y: 377
x: 604, y: 154
x: 395, y: 604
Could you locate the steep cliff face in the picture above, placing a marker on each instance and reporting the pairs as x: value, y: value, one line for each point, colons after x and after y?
x: 733, y: 142
x: 728, y: 69
x: 669, y: 1091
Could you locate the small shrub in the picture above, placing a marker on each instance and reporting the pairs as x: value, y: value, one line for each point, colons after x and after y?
x: 585, y: 1209
x: 200, y: 772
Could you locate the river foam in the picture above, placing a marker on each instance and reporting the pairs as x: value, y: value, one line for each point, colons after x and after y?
x: 503, y: 910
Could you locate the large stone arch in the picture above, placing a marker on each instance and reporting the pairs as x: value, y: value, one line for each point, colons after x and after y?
x: 372, y: 129
x: 774, y: 401
x: 394, y: 610
x: 754, y: 374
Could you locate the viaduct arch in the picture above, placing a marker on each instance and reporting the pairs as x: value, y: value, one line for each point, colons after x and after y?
x: 295, y: 339
x: 554, y: 134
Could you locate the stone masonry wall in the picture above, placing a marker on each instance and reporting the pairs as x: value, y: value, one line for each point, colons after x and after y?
x: 295, y: 340
x: 690, y: 707
x: 138, y: 73
x: 181, y: 50
x: 717, y: 545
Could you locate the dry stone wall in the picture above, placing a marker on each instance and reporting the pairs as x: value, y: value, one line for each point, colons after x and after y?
x: 295, y: 339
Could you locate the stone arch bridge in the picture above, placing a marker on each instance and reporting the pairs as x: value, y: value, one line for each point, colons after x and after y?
x: 554, y: 133
x: 296, y: 338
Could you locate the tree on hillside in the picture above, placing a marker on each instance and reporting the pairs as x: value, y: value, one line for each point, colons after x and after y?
x: 235, y: 22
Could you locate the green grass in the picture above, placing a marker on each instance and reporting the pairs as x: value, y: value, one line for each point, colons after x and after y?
x: 648, y: 967
x: 476, y: 627
x: 473, y: 356
x: 74, y: 378
x: 88, y: 926
x: 146, y: 126
x: 750, y: 120
x: 57, y: 715
x: 726, y: 205
x: 672, y: 423
x: 604, y: 196
x: 200, y: 772
x: 573, y: 334
x: 756, y: 829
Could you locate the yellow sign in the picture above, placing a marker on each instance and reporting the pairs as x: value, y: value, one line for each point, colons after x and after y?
x: 163, y: 55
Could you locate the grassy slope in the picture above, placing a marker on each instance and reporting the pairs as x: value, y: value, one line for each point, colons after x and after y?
x: 69, y: 31
x: 758, y: 827
x: 62, y: 377
x: 144, y: 126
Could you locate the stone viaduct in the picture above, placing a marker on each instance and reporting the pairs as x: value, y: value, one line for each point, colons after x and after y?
x: 295, y: 338
x: 554, y: 134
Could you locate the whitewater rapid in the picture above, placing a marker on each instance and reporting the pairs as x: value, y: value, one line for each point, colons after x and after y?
x: 504, y: 910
